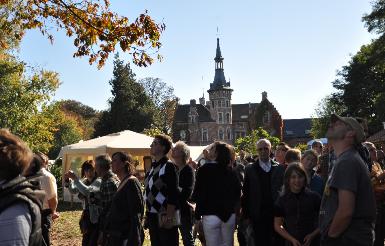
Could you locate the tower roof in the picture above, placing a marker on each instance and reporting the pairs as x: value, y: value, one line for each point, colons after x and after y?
x: 219, y: 78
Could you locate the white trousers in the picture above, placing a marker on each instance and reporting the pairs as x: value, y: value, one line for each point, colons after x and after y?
x: 217, y: 232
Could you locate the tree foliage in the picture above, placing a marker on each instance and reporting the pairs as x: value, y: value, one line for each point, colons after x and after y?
x: 164, y: 100
x: 24, y: 103
x: 95, y: 28
x: 130, y: 107
x: 67, y: 131
x: 375, y: 21
x: 361, y: 84
x: 85, y: 116
x: 248, y: 143
x: 321, y: 119
x: 152, y: 132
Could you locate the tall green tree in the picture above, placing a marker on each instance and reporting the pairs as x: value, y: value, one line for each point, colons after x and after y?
x: 164, y: 100
x: 24, y: 102
x: 130, y: 107
x: 360, y: 85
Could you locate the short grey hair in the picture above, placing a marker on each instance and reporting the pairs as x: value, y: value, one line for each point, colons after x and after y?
x: 103, y: 161
x: 184, y: 148
x: 264, y: 140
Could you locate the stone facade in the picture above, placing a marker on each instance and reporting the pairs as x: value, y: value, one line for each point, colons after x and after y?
x: 219, y: 119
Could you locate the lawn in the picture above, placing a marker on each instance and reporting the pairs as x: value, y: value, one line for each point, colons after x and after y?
x: 65, y: 230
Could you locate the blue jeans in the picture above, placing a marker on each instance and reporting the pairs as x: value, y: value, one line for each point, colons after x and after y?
x: 186, y: 230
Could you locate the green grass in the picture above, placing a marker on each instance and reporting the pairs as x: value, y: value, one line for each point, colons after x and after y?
x: 65, y: 229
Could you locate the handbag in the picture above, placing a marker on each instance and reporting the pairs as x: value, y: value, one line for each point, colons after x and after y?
x: 168, y: 223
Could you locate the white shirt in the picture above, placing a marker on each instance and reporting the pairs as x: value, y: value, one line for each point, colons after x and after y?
x: 266, y: 166
x: 48, y: 184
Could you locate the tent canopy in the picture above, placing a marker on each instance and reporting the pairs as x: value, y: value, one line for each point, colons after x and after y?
x: 136, y: 144
x: 128, y: 141
x: 132, y: 142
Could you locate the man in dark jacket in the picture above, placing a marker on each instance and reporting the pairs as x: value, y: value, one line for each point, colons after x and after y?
x: 257, y: 201
x: 20, y: 200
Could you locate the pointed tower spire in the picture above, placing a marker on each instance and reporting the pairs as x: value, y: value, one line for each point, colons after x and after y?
x: 219, y: 78
x: 218, y: 54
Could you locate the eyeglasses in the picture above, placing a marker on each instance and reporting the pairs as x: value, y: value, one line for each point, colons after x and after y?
x: 264, y: 148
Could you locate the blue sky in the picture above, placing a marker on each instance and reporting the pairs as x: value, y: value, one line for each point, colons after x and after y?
x: 291, y: 49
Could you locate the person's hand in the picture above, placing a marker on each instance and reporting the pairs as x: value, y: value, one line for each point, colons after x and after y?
x: 192, y: 205
x: 295, y: 242
x: 307, y: 240
x: 55, y: 215
x: 70, y: 174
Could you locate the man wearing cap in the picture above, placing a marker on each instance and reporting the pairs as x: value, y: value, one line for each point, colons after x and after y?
x: 348, y: 208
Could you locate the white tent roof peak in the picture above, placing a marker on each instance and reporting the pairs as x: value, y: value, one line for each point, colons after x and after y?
x: 121, y: 140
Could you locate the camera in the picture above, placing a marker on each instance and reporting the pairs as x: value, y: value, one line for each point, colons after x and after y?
x: 67, y: 182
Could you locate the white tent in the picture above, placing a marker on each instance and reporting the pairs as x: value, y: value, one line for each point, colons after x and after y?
x: 136, y: 144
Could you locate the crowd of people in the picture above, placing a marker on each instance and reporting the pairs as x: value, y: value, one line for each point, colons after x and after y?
x: 327, y: 195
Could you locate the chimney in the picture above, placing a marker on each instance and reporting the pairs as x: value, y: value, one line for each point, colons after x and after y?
x: 193, y: 102
x: 202, y: 100
x: 264, y: 95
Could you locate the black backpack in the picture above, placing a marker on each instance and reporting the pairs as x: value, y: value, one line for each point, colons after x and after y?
x: 24, y: 190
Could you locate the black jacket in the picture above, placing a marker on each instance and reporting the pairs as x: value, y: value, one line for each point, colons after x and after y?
x: 217, y: 191
x: 186, y: 186
x: 252, y: 191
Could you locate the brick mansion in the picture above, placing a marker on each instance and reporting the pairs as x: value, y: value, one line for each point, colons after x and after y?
x: 201, y: 123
